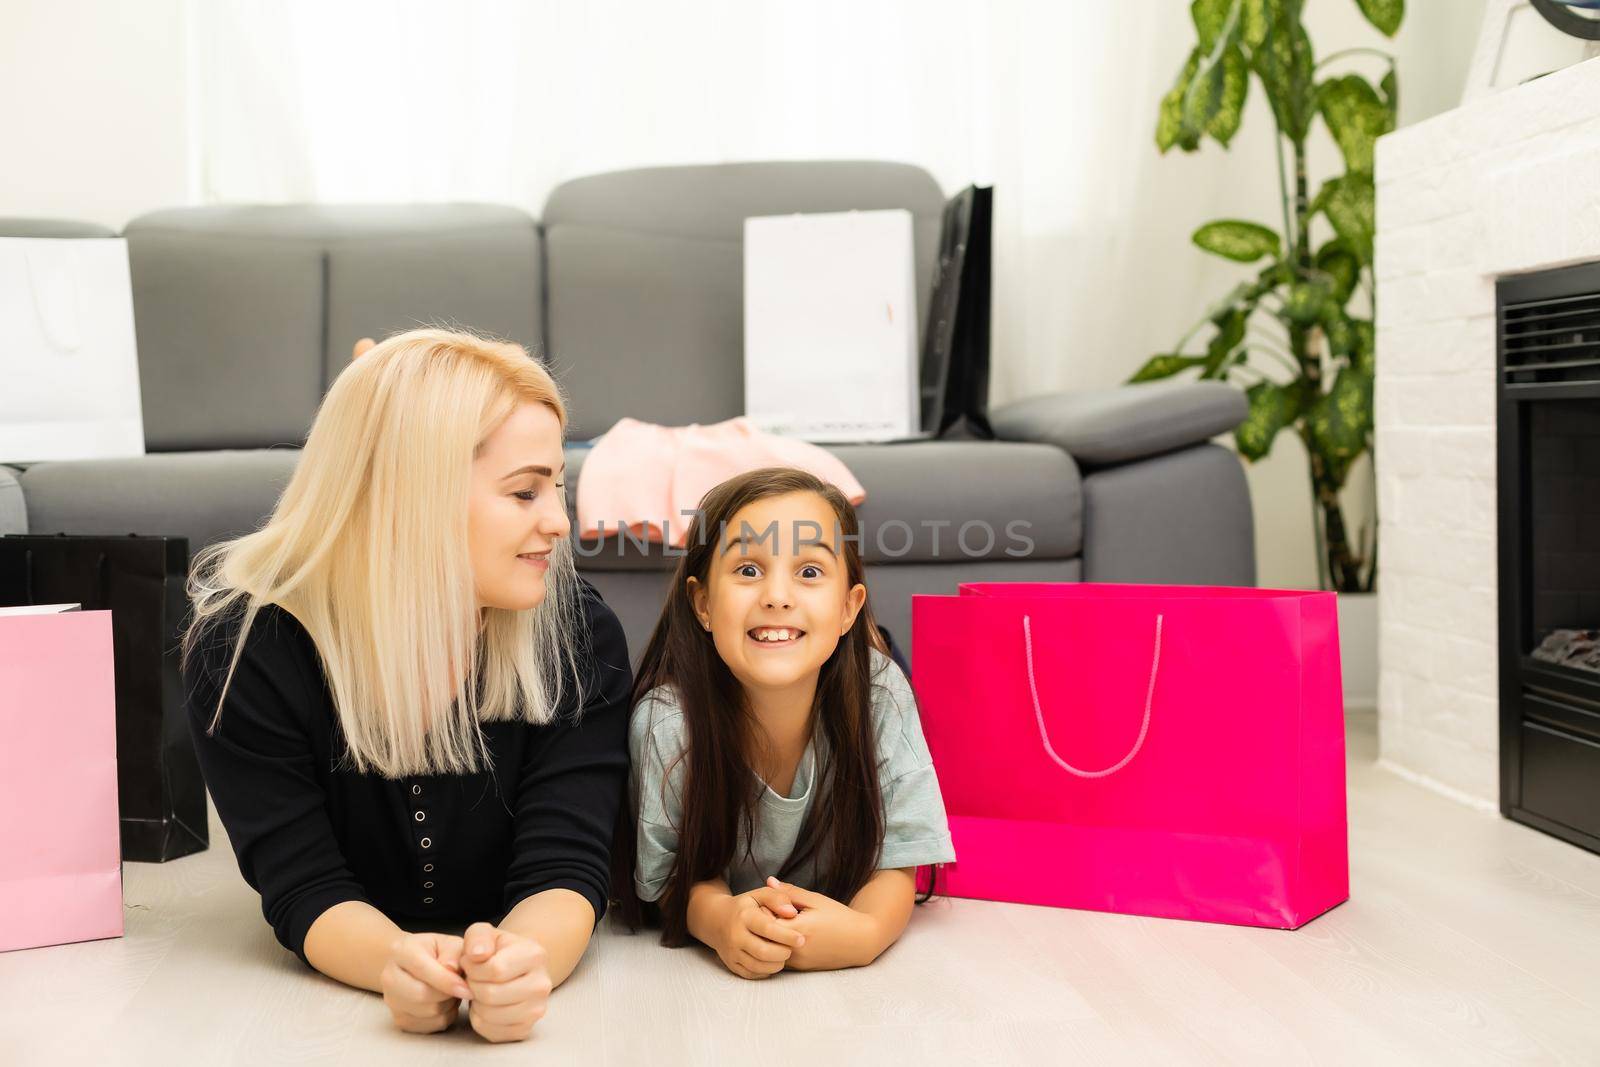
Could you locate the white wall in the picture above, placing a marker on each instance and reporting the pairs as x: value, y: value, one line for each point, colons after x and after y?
x: 93, y: 108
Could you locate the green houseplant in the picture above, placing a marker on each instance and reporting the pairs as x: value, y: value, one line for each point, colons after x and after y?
x: 1297, y: 333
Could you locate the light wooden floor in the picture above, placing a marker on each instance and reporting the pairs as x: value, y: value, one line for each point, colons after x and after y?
x: 1467, y: 939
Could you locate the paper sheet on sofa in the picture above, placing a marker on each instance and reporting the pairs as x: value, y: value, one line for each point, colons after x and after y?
x: 830, y: 325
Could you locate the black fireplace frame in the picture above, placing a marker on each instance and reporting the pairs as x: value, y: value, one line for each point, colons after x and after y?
x: 1558, y: 708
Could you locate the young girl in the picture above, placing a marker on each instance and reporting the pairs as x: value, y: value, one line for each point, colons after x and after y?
x: 782, y: 794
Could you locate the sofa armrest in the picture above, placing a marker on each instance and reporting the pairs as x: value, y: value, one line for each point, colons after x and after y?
x: 1102, y: 427
x: 13, y: 511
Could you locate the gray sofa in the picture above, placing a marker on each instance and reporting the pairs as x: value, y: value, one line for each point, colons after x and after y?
x: 630, y: 287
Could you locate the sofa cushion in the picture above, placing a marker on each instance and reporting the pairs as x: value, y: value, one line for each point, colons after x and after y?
x: 1101, y: 427
x: 246, y: 314
x: 475, y: 267
x: 204, y: 496
x: 920, y: 495
x: 229, y: 331
x: 645, y: 313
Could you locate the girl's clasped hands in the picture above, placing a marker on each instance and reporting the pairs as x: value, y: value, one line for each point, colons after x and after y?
x: 784, y: 927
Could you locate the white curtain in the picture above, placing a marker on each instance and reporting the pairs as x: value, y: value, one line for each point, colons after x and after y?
x: 365, y: 100
x: 491, y: 100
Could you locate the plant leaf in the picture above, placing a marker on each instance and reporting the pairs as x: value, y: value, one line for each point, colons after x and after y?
x: 1337, y: 329
x: 1284, y: 64
x: 1339, y: 423
x: 1211, y: 91
x: 1307, y: 301
x: 1170, y: 129
x: 1203, y: 101
x: 1272, y: 407
x: 1355, y: 116
x: 1341, y: 266
x: 1230, y: 331
x: 1384, y: 14
x: 1165, y: 366
x: 1238, y: 240
x: 1209, y: 18
x: 1365, y: 351
x: 1348, y: 202
x: 1351, y: 339
x: 1253, y: 23
x: 1235, y: 89
x: 1390, y: 88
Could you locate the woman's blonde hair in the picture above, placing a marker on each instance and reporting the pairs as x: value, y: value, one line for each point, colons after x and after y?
x: 367, y: 548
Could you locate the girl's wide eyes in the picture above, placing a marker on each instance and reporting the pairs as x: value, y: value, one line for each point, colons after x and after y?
x: 810, y: 570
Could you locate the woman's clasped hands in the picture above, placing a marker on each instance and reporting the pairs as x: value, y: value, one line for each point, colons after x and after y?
x: 503, y: 977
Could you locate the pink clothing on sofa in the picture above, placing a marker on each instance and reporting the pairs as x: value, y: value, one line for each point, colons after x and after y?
x: 645, y: 477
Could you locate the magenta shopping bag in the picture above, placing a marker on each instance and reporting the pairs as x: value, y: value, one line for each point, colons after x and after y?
x: 60, y: 862
x: 1175, y: 751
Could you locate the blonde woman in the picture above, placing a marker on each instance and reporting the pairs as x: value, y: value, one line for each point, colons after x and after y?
x: 410, y: 710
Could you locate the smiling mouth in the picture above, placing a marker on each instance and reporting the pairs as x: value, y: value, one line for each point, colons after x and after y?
x: 538, y: 559
x: 775, y: 636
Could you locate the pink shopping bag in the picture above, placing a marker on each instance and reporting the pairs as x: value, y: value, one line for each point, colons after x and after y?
x: 1174, y: 751
x: 60, y: 859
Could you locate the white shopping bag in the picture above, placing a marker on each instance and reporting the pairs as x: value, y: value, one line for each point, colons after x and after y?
x: 830, y: 325
x: 69, y: 369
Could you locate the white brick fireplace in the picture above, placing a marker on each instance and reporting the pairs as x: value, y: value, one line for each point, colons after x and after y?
x: 1505, y: 184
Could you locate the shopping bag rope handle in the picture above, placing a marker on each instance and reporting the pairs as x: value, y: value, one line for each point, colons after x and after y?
x: 1044, y: 733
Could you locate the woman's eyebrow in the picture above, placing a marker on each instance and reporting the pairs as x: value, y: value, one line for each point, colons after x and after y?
x: 531, y: 469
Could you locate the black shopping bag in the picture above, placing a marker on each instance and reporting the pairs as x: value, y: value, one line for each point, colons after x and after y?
x: 141, y: 581
x: 955, y: 351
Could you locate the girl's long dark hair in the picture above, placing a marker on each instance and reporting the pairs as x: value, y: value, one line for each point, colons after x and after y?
x: 843, y: 832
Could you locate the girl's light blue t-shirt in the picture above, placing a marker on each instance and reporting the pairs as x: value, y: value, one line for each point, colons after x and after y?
x: 915, y: 829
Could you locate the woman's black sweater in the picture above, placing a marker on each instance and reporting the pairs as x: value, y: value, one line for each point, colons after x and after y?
x: 437, y: 850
